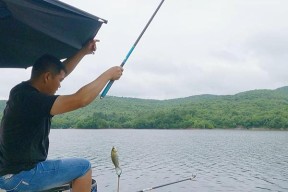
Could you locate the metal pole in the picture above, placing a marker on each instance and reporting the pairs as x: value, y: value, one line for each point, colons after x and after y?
x: 108, y: 86
x: 118, y: 186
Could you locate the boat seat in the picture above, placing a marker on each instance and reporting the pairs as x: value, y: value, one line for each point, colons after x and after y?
x: 62, y: 188
x: 67, y: 187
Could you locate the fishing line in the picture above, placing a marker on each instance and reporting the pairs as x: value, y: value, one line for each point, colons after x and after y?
x: 110, y: 83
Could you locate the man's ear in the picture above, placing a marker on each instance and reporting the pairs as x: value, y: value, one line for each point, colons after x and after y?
x: 47, y: 76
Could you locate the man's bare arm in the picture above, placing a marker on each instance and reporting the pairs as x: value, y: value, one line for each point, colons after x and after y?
x: 72, y: 62
x: 86, y: 94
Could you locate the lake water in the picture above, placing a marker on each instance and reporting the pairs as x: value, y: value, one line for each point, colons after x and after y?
x: 222, y: 160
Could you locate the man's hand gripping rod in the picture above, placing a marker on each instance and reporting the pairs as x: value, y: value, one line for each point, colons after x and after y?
x: 110, y: 83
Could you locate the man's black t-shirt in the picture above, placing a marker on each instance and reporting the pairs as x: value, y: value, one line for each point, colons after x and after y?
x: 24, y: 129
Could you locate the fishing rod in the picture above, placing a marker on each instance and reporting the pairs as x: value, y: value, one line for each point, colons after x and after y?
x: 164, y: 185
x: 108, y: 86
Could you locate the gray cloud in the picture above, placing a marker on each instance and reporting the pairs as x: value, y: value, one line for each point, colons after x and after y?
x: 192, y: 47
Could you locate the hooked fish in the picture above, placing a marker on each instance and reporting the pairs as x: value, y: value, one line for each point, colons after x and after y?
x: 115, y: 160
x: 114, y: 157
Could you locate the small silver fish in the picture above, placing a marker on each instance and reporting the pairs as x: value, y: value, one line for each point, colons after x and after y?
x: 115, y: 160
x: 114, y: 157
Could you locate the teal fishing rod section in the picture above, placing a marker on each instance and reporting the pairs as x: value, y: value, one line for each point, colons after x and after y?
x: 110, y: 83
x: 164, y: 185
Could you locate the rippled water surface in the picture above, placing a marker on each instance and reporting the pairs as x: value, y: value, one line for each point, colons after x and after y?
x: 223, y: 160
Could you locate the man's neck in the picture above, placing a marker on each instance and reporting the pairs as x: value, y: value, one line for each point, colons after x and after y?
x: 36, y: 84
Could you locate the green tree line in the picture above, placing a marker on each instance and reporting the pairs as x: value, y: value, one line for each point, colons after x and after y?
x: 251, y: 109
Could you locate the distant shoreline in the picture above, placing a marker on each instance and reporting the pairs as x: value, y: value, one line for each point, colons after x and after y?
x: 236, y: 129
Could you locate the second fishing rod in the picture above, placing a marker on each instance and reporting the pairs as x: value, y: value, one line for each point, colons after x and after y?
x: 110, y: 83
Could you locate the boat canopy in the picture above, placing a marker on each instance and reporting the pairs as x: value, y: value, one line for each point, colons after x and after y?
x: 31, y: 28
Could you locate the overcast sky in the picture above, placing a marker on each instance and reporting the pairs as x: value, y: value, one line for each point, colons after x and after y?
x: 192, y: 47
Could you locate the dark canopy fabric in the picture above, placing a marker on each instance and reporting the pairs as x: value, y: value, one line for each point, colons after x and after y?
x: 31, y: 28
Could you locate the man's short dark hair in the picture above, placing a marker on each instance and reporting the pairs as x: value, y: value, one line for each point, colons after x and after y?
x: 47, y: 63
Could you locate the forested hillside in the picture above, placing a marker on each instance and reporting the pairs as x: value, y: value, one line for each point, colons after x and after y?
x: 251, y: 109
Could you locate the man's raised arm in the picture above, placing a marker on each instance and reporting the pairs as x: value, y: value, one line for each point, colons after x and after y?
x: 71, y: 62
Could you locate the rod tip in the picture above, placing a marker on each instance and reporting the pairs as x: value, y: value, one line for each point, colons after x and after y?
x: 193, y: 177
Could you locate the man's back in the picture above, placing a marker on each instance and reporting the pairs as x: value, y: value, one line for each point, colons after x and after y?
x: 24, y: 129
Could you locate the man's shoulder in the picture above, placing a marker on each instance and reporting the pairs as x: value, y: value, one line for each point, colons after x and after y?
x: 22, y: 87
x: 20, y: 92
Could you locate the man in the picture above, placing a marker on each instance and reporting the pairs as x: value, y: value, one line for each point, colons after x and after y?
x: 26, y: 121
